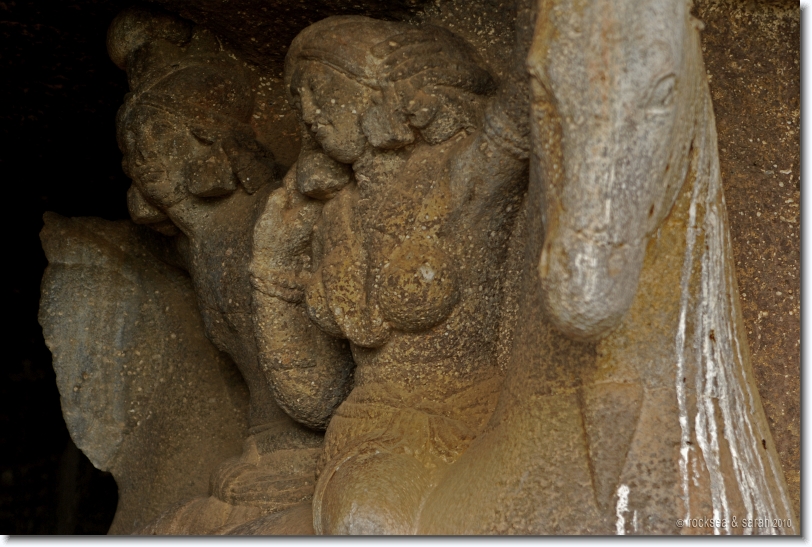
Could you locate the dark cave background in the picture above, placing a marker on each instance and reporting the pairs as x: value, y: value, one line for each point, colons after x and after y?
x: 58, y: 152
x: 58, y: 99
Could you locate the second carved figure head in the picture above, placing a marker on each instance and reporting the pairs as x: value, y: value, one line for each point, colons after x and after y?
x: 358, y: 81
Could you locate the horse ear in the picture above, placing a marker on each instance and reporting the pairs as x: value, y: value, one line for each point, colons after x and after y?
x: 385, y: 126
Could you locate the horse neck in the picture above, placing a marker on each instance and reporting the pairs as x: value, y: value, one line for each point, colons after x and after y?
x: 684, y: 336
x: 675, y: 373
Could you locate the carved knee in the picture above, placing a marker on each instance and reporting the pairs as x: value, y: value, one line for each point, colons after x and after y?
x: 371, y: 493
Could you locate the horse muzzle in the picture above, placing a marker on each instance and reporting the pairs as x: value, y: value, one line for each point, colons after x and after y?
x: 588, y: 285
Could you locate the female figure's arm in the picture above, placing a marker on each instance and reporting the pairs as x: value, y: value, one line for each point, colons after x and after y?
x: 494, y: 159
x: 310, y: 372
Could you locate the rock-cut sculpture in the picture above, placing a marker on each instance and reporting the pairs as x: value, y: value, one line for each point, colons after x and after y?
x: 628, y: 244
x: 400, y: 207
x: 506, y: 299
x: 200, y: 176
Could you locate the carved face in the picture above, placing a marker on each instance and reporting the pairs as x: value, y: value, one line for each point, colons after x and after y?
x: 154, y: 155
x: 331, y: 106
x: 172, y: 159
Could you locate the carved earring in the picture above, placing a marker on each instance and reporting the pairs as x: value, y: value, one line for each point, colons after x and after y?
x: 143, y: 212
x: 253, y: 165
x: 319, y: 176
x: 421, y: 109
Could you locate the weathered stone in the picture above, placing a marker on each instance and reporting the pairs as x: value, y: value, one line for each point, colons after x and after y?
x: 752, y: 54
x: 197, y: 160
x: 668, y: 385
x: 263, y: 30
x: 486, y: 356
x: 145, y: 394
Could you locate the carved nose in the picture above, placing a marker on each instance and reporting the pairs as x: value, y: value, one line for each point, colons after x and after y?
x: 309, y: 109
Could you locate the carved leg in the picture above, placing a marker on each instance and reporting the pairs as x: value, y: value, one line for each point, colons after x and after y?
x: 199, y: 516
x: 373, y: 491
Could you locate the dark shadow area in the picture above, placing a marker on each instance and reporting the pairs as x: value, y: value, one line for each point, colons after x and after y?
x: 58, y: 99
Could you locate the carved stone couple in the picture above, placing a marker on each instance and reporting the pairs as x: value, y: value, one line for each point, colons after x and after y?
x: 369, y: 295
x: 376, y: 268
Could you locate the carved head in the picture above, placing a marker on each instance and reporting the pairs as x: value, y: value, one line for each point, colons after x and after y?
x: 184, y: 127
x: 357, y: 81
x: 614, y: 85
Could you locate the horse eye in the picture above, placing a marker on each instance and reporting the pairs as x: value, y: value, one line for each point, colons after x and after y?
x: 662, y: 95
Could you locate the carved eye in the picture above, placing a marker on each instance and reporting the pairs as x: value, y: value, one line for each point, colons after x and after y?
x: 204, y: 136
x: 662, y: 95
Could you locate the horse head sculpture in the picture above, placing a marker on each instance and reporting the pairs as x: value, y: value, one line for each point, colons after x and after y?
x: 628, y: 171
x: 612, y: 88
x: 629, y: 403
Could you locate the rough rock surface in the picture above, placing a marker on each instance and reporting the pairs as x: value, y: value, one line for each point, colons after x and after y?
x: 746, y: 103
x: 145, y: 394
x: 264, y: 29
x: 752, y: 55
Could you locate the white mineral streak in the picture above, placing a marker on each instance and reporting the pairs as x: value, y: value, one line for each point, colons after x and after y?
x: 621, y: 507
x: 685, y: 437
x: 720, y: 379
x: 751, y: 409
x: 587, y: 271
x: 707, y: 371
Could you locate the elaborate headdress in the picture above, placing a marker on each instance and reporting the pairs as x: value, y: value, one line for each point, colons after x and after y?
x: 397, y: 59
x: 178, y: 68
x: 185, y: 72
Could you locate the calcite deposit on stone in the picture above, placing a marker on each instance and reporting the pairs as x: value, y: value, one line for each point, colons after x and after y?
x: 494, y: 292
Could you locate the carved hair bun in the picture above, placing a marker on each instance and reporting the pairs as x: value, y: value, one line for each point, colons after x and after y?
x: 134, y: 27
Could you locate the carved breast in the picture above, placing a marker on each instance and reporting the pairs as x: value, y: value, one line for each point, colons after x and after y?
x: 418, y: 288
x: 382, y: 264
